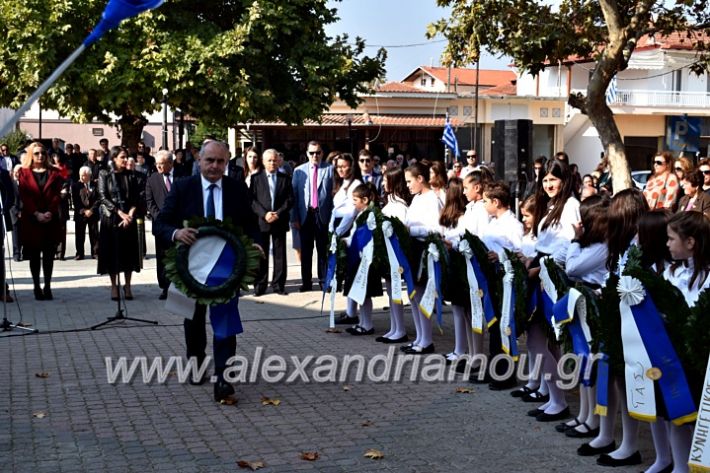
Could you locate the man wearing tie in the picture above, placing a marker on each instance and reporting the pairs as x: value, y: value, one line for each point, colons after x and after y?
x: 272, y: 199
x: 367, y: 169
x: 313, y: 193
x: 86, y: 204
x: 157, y: 188
x: 208, y: 194
x: 7, y: 160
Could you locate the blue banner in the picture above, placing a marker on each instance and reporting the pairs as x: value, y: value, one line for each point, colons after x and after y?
x: 683, y: 134
x: 224, y: 318
x: 404, y: 264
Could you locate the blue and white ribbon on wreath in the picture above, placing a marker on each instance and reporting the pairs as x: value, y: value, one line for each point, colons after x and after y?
x: 571, y: 312
x: 602, y: 407
x: 548, y: 296
x: 363, y: 245
x: 395, y: 257
x: 649, y: 356
x: 489, y: 312
x: 331, y: 278
x: 211, y: 262
x: 507, y: 327
x: 432, y: 291
x: 474, y: 292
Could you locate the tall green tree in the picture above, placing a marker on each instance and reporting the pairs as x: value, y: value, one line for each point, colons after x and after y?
x: 535, y: 34
x: 223, y: 61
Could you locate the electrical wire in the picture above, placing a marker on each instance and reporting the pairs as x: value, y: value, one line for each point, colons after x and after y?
x: 394, y: 46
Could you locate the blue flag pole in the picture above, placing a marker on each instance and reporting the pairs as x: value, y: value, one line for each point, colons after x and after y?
x: 115, y: 12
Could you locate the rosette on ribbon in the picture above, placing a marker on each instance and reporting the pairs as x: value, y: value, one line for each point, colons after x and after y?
x: 649, y: 356
x: 432, y: 296
x: 508, y: 334
x: 363, y: 244
x: 212, y: 270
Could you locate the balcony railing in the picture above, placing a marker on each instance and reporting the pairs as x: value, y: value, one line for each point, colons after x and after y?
x: 660, y: 98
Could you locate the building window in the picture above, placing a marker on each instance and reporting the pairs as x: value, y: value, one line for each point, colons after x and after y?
x: 97, y: 131
x: 556, y: 112
x: 677, y: 80
x: 423, y: 81
x: 467, y: 111
x: 453, y: 111
x: 544, y: 112
x: 432, y: 82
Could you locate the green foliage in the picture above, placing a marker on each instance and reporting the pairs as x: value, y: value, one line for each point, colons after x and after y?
x: 222, y: 61
x: 520, y: 288
x: 15, y: 140
x: 204, y: 130
x: 609, y: 332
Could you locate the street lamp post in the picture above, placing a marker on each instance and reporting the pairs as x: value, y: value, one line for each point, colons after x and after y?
x: 165, y: 119
x: 349, y: 119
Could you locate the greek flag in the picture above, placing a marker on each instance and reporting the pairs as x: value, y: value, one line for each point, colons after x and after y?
x: 449, y: 138
x: 611, y: 92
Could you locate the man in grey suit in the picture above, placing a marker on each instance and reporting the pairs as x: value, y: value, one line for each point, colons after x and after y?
x: 313, y: 203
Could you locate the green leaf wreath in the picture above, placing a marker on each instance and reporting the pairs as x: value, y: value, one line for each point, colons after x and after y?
x: 245, y: 269
x: 609, y: 328
x: 520, y: 288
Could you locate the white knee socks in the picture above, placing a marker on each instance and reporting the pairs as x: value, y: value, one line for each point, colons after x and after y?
x: 681, y: 441
x: 662, y: 445
x: 366, y: 314
x: 630, y: 426
x: 460, y: 329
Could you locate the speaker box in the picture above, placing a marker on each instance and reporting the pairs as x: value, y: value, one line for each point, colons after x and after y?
x: 512, y: 151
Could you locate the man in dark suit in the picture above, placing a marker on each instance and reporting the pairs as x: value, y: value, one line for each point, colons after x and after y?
x: 272, y: 199
x: 157, y: 188
x: 7, y: 160
x: 86, y: 204
x: 313, y: 204
x: 7, y: 194
x: 367, y: 170
x: 210, y: 193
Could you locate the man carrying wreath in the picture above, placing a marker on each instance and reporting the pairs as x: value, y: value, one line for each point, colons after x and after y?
x: 211, y: 194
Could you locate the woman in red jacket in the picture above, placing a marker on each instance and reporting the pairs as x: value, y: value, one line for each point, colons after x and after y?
x: 40, y: 187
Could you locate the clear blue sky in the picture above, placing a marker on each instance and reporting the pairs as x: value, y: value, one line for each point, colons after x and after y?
x: 398, y: 22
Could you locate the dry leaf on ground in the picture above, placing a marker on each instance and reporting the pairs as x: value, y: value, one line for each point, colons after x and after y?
x: 464, y: 390
x: 39, y: 414
x: 310, y: 456
x: 333, y: 330
x: 229, y: 401
x: 23, y: 324
x: 265, y: 401
x: 253, y: 466
x: 346, y: 387
x: 374, y: 454
x: 367, y: 423
x: 42, y: 375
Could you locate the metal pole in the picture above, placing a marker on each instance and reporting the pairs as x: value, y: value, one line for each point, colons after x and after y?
x: 475, y: 110
x: 165, y: 119
x: 39, y: 131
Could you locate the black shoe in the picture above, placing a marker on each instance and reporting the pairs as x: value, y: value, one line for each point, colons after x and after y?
x: 562, y: 428
x: 347, y: 321
x: 48, y: 294
x: 279, y: 290
x: 535, y: 412
x: 402, y: 339
x: 522, y: 392
x: 259, y: 291
x: 473, y: 377
x: 606, y: 460
x: 419, y: 350
x: 503, y: 385
x: 576, y: 434
x: 305, y: 288
x: 536, y: 397
x: 406, y: 347
x: 358, y: 330
x: 586, y: 450
x: 163, y: 295
x: 222, y: 390
x: 563, y: 414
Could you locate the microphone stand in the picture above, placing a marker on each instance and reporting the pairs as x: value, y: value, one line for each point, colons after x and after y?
x: 6, y: 324
x: 120, y: 315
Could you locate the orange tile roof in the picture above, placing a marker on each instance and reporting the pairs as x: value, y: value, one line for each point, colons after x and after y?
x: 505, y: 89
x: 401, y: 87
x: 359, y: 120
x: 463, y: 76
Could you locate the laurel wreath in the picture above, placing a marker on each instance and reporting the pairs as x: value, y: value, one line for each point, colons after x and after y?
x: 245, y: 268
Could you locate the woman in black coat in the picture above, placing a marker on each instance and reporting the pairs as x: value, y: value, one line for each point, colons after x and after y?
x: 122, y: 201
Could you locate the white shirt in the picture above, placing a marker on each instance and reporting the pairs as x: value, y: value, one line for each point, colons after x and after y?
x: 476, y: 218
x: 468, y: 170
x: 587, y: 264
x: 343, y: 207
x: 680, y: 278
x: 396, y: 208
x: 528, y: 245
x: 454, y: 234
x: 8, y: 164
x: 423, y: 215
x: 555, y: 239
x: 216, y: 195
x: 504, y: 232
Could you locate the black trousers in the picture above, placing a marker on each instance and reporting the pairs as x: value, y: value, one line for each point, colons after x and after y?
x: 80, y: 225
x: 313, y: 231
x: 16, y: 246
x: 278, y: 278
x: 160, y: 249
x: 196, y: 342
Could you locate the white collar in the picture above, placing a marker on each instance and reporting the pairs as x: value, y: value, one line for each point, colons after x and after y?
x: 206, y: 184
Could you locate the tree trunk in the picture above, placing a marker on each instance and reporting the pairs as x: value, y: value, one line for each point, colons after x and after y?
x: 131, y: 130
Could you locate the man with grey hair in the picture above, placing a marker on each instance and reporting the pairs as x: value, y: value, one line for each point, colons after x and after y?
x: 86, y: 203
x: 157, y: 188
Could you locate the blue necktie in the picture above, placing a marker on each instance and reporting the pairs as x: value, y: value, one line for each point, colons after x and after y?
x: 210, y: 201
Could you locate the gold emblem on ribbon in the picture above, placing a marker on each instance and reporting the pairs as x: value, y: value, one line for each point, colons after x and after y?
x: 480, y: 293
x: 654, y: 373
x: 401, y: 270
x: 508, y: 332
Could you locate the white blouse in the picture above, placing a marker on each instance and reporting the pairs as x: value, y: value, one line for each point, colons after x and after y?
x: 396, y: 208
x: 587, y: 264
x: 680, y: 278
x: 476, y: 218
x: 504, y: 232
x: 423, y: 215
x: 343, y: 207
x: 527, y: 247
x: 555, y: 239
x: 454, y: 234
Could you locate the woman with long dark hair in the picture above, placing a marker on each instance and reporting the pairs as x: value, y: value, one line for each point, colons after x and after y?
x: 662, y: 187
x: 40, y: 187
x: 252, y: 164
x: 122, y: 201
